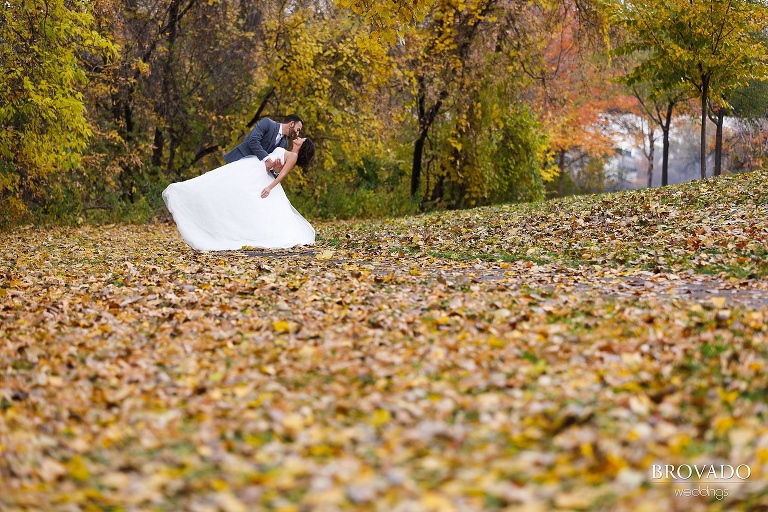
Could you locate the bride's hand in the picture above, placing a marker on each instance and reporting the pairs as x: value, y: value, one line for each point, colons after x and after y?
x: 265, y: 193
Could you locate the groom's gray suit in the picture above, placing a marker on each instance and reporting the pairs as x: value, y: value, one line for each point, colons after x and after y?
x: 260, y: 142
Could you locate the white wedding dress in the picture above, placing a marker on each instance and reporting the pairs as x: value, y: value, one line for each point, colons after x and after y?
x: 223, y: 209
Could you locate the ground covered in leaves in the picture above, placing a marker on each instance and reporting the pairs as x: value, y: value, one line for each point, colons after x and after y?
x: 524, y: 357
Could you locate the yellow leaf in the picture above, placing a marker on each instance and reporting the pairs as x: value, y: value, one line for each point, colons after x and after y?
x: 116, y: 480
x: 723, y: 423
x: 495, y: 342
x: 501, y: 314
x: 219, y: 484
x: 728, y: 396
x: 241, y: 391
x: 325, y: 255
x: 281, y: 326
x: 380, y: 417
x: 228, y: 502
x: 76, y: 469
x: 321, y: 450
x: 718, y: 302
x: 293, y: 422
x: 433, y: 501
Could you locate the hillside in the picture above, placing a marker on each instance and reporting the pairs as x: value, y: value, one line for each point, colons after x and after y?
x: 521, y: 357
x: 714, y: 226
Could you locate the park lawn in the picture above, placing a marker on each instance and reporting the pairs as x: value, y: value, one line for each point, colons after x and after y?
x: 520, y: 357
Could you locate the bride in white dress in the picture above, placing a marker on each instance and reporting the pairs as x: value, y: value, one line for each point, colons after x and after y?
x: 240, y: 204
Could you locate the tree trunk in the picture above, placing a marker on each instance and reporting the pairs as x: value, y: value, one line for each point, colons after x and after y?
x: 157, y: 152
x: 561, y: 179
x: 117, y: 109
x: 719, y: 142
x: 205, y: 152
x: 172, y: 154
x: 426, y: 118
x: 128, y: 115
x: 439, y: 189
x: 170, y: 100
x: 418, y: 150
x: 665, y: 145
x: 651, y: 148
x: 704, y: 98
x: 261, y: 108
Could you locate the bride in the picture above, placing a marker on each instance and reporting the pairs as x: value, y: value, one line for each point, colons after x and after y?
x: 241, y: 204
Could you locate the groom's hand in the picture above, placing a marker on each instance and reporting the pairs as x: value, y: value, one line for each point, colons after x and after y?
x: 275, y: 165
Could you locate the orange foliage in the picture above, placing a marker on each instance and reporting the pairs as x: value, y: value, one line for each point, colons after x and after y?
x: 571, y: 90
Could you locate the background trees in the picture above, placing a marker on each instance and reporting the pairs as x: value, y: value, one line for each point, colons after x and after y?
x: 462, y: 109
x: 710, y: 46
x: 414, y: 106
x: 183, y: 82
x: 42, y: 112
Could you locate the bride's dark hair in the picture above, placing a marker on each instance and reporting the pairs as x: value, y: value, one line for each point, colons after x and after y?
x: 306, y: 153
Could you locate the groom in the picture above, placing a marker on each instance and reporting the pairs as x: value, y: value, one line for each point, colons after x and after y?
x: 264, y: 138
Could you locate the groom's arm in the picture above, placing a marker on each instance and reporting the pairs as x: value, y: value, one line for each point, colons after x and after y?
x: 256, y: 137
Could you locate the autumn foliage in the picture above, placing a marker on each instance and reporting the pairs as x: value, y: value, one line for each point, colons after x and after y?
x: 414, y: 106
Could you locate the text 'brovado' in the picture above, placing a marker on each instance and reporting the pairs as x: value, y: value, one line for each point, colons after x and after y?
x: 708, y: 472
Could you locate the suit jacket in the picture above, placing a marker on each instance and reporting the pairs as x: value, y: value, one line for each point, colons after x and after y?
x: 260, y: 141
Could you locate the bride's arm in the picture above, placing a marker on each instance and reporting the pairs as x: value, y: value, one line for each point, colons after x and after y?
x: 290, y: 161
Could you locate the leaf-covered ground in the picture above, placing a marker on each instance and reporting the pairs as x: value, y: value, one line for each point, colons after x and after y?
x: 527, y: 357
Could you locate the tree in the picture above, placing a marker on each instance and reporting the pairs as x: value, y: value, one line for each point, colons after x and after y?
x: 750, y: 110
x: 717, y: 113
x: 42, y: 114
x: 389, y: 16
x: 440, y: 48
x: 658, y: 104
x: 185, y: 68
x: 642, y: 129
x: 473, y: 135
x: 568, y: 90
x: 333, y: 72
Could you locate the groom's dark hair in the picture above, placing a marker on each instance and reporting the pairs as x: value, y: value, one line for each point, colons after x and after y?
x: 292, y: 118
x: 306, y: 153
